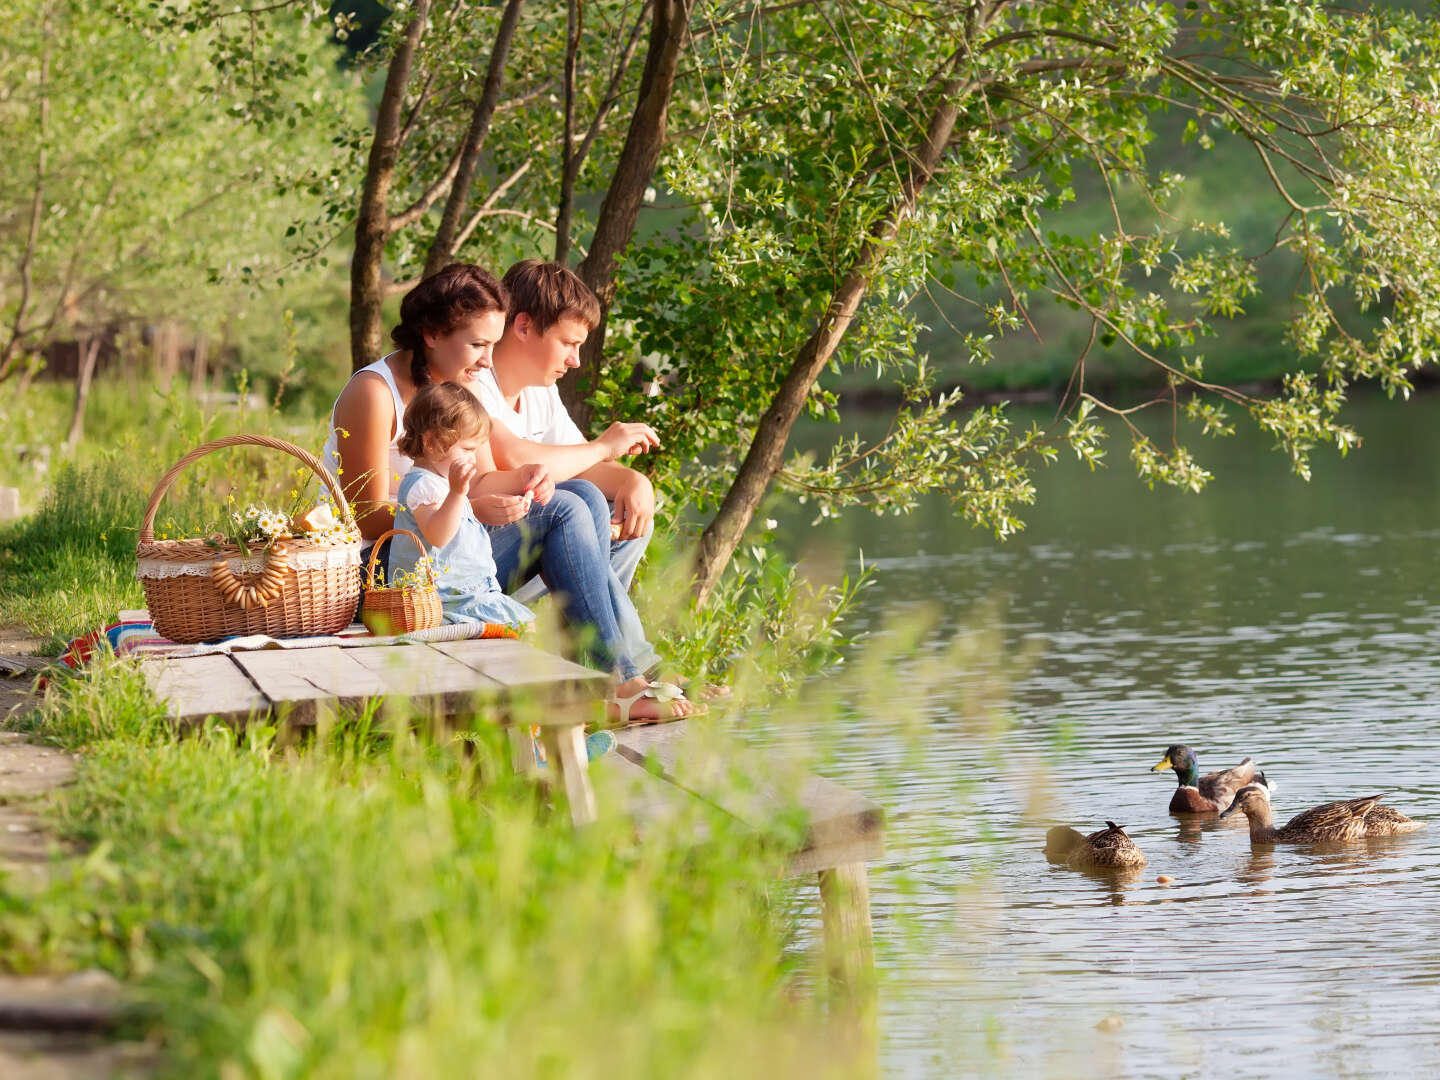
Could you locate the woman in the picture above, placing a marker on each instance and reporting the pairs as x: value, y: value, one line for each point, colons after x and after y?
x: 449, y: 324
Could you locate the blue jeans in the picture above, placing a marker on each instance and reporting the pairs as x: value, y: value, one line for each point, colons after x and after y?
x: 562, y: 540
x: 625, y: 555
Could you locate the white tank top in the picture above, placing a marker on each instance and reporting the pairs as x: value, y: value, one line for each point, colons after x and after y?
x: 399, y: 464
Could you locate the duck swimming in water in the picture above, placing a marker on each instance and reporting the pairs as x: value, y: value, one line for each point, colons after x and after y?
x: 1208, y: 794
x: 1351, y: 819
x: 1109, y: 849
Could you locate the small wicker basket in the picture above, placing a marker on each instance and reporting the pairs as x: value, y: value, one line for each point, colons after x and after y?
x: 300, y: 589
x: 402, y: 609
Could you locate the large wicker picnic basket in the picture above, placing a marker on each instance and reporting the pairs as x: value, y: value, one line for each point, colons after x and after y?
x: 190, y: 585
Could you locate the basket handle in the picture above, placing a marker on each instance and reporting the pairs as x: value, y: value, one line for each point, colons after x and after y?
x: 147, y: 526
x: 424, y: 555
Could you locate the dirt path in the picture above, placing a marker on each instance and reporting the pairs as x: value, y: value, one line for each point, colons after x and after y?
x: 51, y: 1027
x: 17, y: 667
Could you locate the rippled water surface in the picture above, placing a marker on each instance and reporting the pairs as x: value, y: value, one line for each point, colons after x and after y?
x: 1296, y: 623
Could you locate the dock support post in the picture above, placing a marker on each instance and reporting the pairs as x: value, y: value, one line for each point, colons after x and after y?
x: 849, y: 946
x: 565, y: 752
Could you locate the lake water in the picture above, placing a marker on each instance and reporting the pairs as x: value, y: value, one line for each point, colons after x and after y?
x: 1296, y: 623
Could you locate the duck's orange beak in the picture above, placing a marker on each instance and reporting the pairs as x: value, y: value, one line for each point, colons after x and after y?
x: 1162, y: 765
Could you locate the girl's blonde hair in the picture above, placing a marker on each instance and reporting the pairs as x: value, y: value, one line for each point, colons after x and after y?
x: 445, y: 411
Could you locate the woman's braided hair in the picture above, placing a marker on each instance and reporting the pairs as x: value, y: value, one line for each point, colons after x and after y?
x: 439, y: 304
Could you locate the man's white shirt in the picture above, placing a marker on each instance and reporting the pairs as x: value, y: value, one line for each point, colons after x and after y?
x: 540, y: 418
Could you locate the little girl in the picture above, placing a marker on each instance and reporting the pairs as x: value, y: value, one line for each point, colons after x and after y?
x: 444, y: 426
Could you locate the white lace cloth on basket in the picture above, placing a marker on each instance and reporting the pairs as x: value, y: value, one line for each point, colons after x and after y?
x: 322, y: 559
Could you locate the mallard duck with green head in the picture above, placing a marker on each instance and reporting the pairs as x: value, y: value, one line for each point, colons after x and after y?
x: 1208, y: 794
x: 1109, y: 849
x: 1350, y: 819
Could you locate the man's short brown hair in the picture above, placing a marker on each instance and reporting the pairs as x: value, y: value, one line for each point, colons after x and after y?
x: 549, y: 292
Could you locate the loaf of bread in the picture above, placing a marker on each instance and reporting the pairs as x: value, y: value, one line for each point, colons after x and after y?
x: 314, y: 519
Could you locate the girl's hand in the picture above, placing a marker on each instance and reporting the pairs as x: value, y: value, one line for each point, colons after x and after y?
x: 462, y: 471
x: 499, y: 509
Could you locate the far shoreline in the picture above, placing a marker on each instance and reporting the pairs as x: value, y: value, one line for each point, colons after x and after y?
x: 865, y: 399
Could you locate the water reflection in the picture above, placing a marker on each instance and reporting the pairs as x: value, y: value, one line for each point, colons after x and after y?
x: 1192, y: 828
x: 1295, y: 623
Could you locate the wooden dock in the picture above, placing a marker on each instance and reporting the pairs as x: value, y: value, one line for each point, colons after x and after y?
x: 663, y: 767
x: 452, y: 681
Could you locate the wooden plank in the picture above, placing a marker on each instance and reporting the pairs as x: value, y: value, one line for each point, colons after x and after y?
x: 194, y: 687
x: 518, y: 665
x: 311, y: 681
x: 813, y: 859
x: 651, y: 801
x: 841, y: 826
x: 428, y: 678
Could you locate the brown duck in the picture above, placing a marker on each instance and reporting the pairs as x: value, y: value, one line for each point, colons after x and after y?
x: 1352, y: 819
x: 1208, y: 794
x: 1109, y: 849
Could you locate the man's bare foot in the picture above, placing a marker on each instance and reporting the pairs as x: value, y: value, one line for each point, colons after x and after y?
x: 639, y: 701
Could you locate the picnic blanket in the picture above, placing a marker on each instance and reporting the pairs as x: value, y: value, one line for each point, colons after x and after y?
x: 133, y: 634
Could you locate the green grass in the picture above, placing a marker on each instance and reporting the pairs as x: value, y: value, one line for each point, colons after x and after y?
x: 379, y: 904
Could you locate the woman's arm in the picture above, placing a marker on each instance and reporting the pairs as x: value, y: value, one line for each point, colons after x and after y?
x: 365, y: 425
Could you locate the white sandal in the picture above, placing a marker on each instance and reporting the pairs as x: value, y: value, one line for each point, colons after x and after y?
x: 657, y: 691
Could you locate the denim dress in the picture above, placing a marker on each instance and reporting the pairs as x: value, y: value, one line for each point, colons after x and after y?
x: 464, y: 568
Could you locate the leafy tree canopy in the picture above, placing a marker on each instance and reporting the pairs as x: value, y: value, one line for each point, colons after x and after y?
x: 135, y: 189
x: 816, y: 169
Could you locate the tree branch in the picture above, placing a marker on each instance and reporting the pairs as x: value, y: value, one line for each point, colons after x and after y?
x: 620, y: 209
x: 366, y: 284
x: 416, y: 210
x: 443, y: 247
x: 612, y: 92
x: 37, y: 207
x: 421, y: 100
x: 574, y: 13
x: 486, y: 208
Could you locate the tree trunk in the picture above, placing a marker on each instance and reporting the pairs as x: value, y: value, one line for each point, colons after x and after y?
x: 198, y: 361
x: 442, y: 248
x: 569, y: 162
x: 12, y: 350
x: 669, y: 36
x: 167, y: 354
x: 367, y: 291
x: 27, y: 376
x: 89, y: 353
x: 767, y: 448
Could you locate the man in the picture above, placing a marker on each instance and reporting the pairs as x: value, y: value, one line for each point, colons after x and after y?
x: 552, y: 312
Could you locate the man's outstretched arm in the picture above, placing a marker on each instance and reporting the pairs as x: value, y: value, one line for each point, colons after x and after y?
x: 565, y: 461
